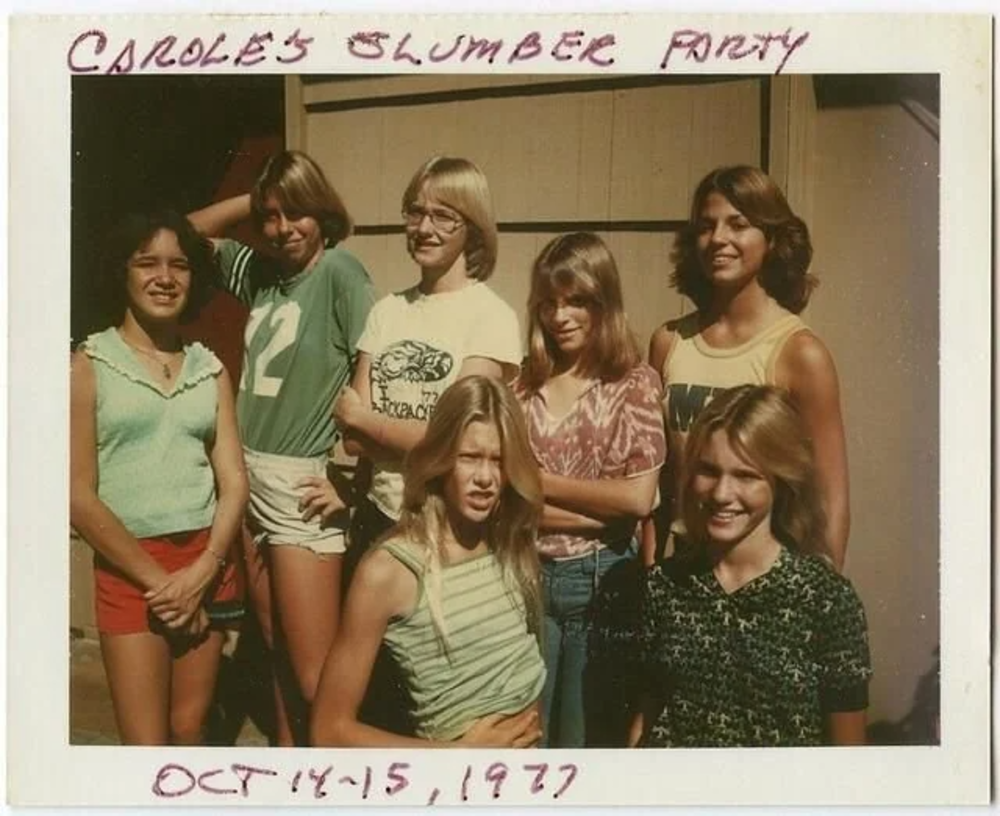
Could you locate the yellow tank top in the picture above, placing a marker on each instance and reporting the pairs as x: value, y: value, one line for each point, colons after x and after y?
x: 694, y: 372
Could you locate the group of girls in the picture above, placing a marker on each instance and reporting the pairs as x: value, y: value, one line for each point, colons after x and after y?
x: 448, y: 595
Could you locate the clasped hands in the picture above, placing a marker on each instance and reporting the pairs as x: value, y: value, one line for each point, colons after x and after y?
x: 177, y: 602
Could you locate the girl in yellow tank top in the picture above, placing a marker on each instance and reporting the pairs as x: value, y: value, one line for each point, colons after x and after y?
x: 743, y: 258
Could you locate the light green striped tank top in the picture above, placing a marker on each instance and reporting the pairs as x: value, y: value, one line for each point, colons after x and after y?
x: 492, y: 664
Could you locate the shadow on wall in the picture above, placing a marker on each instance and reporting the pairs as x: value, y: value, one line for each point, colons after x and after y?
x: 922, y: 723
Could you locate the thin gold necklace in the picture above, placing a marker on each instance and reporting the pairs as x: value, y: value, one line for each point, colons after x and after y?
x: 167, y: 373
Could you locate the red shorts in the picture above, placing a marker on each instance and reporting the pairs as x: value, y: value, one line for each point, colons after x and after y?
x: 121, y: 607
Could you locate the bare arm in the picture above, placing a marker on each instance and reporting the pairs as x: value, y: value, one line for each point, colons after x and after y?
x: 647, y: 542
x: 381, y: 588
x: 372, y: 434
x: 91, y: 517
x: 557, y: 520
x: 213, y: 221
x: 638, y: 428
x: 611, y: 499
x: 807, y: 370
x: 646, y: 711
x: 846, y: 727
x: 655, y: 527
x: 231, y: 486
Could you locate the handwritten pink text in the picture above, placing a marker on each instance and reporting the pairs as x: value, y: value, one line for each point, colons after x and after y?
x: 94, y: 52
x: 335, y: 783
x: 701, y: 46
x: 569, y: 46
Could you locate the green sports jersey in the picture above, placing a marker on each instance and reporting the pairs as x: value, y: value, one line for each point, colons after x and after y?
x: 299, y: 345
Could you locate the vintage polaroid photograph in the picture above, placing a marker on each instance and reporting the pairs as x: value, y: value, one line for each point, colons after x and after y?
x: 611, y: 388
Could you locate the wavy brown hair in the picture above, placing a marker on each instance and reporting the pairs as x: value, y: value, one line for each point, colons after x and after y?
x: 134, y: 232
x: 513, y: 526
x: 459, y: 184
x: 785, y: 271
x: 300, y: 186
x: 764, y: 426
x: 579, y: 264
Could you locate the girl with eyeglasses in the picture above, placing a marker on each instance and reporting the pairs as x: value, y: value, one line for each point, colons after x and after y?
x: 416, y: 343
x: 308, y: 299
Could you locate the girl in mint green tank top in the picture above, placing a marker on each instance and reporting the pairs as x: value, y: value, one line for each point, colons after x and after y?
x: 157, y: 484
x: 453, y: 589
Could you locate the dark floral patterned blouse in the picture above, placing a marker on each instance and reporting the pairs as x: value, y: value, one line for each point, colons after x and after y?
x: 758, y: 667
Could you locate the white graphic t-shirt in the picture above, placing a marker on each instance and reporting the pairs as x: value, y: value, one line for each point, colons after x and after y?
x: 417, y: 344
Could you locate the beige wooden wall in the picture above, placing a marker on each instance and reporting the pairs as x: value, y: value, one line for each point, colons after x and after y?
x: 865, y: 178
x: 600, y: 155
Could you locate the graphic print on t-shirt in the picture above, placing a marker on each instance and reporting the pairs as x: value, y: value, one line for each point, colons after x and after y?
x: 685, y: 401
x: 278, y: 334
x: 407, y: 379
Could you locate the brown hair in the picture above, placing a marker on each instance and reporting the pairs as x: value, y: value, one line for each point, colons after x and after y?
x: 785, y: 271
x: 300, y: 185
x: 580, y: 263
x: 134, y: 232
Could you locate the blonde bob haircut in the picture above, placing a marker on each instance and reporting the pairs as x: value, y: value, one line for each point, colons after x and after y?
x: 765, y: 428
x: 579, y: 264
x: 300, y: 186
x: 513, y: 527
x: 459, y: 184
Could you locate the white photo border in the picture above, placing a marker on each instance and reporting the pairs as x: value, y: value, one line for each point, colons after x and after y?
x: 44, y: 769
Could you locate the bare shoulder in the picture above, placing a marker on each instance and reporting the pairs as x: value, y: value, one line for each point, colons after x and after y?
x: 660, y: 345
x: 385, y: 583
x: 225, y: 382
x: 804, y: 358
x: 81, y: 370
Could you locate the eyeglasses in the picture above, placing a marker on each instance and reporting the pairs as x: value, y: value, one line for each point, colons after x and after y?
x: 441, y: 220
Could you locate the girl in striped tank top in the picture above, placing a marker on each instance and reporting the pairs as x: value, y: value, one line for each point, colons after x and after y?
x: 452, y: 590
x: 743, y: 258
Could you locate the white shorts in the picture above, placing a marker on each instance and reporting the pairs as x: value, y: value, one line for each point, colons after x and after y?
x: 273, y: 513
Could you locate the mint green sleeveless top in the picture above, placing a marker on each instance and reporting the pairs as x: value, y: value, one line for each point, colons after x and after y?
x: 492, y: 665
x: 153, y: 468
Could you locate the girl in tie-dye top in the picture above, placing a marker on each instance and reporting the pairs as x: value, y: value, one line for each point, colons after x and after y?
x: 596, y: 429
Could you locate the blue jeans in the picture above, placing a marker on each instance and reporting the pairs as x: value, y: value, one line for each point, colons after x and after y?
x: 568, y: 590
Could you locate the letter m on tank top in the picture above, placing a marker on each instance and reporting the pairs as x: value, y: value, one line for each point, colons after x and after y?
x: 685, y: 401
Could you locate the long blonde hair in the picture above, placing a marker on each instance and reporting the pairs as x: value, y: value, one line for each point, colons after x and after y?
x: 763, y: 425
x: 513, y: 527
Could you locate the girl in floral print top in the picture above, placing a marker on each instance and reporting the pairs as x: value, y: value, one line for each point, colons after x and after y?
x: 751, y: 638
x: 596, y: 429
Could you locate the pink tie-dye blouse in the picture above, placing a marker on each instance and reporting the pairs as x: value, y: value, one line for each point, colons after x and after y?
x: 613, y: 431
